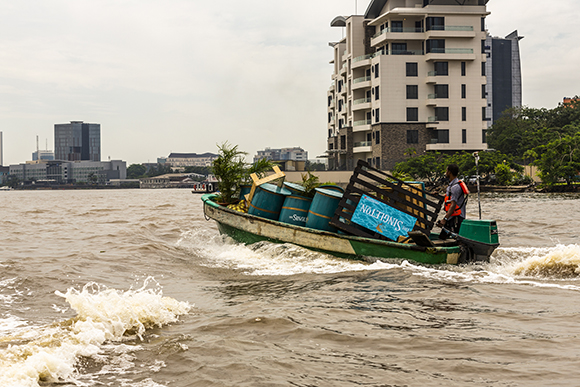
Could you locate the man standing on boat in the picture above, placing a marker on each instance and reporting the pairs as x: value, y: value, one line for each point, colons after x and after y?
x: 455, y: 201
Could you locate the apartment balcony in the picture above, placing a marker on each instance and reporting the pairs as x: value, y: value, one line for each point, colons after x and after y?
x: 440, y: 32
x: 432, y: 122
x: 361, y: 83
x: 361, y: 104
x: 343, y: 69
x: 331, y: 88
x: 399, y: 34
x: 431, y: 100
x: 399, y: 52
x: 362, y: 147
x: 450, y: 54
x: 361, y: 126
x: 362, y: 61
x: 431, y: 77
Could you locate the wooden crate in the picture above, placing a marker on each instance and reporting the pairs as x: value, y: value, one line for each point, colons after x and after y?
x: 409, y: 198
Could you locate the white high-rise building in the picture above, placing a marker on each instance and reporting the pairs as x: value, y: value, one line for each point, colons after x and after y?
x: 408, y: 74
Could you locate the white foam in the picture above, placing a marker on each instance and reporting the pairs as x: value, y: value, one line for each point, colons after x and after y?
x: 103, y: 316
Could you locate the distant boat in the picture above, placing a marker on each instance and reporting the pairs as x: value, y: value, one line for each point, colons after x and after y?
x: 6, y: 188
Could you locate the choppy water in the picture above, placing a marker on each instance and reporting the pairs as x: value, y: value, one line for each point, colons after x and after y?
x: 135, y: 288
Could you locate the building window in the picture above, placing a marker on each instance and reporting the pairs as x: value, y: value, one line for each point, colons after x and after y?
x: 441, y: 91
x: 463, y: 72
x: 442, y: 136
x: 484, y: 136
x: 329, y: 117
x: 412, y: 136
x: 343, y: 142
x: 412, y: 114
x: 435, y: 23
x: 377, y: 117
x: 377, y: 138
x: 464, y: 136
x: 441, y: 68
x: 463, y: 91
x: 463, y: 114
x: 378, y: 163
x: 376, y: 70
x: 442, y: 113
x: 483, y: 92
x: 399, y: 48
x: 412, y: 69
x: 376, y: 93
x: 483, y: 69
x: 436, y: 46
x: 483, y: 46
x: 329, y: 133
x: 329, y: 100
x: 483, y: 114
x: 397, y: 26
x: 482, y: 24
x: 412, y: 92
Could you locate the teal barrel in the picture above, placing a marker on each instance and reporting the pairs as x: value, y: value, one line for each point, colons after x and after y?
x: 267, y: 201
x: 322, y: 209
x: 295, y: 208
x: 332, y: 187
x: 244, y: 190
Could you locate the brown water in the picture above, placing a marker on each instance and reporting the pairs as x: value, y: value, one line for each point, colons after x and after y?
x: 136, y: 288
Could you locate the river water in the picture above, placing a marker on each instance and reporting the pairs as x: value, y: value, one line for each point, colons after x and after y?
x: 136, y: 288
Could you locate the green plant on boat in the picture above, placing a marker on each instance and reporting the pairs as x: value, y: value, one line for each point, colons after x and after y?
x: 260, y: 168
x: 309, y: 182
x: 230, y: 169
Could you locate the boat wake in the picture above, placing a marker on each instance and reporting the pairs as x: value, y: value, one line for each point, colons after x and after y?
x: 105, y: 318
x: 557, y: 266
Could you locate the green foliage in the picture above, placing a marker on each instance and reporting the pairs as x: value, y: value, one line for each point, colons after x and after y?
x: 158, y: 170
x: 559, y: 160
x: 230, y: 169
x: 504, y: 174
x: 431, y: 166
x: 309, y: 182
x: 523, y: 129
x: 259, y: 167
x: 136, y: 171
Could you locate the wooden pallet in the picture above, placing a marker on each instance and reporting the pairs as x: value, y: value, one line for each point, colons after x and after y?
x: 409, y: 198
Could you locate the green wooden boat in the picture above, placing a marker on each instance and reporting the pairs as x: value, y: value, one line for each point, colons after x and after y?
x: 248, y: 229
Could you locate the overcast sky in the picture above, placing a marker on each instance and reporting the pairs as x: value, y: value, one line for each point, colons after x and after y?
x: 184, y: 75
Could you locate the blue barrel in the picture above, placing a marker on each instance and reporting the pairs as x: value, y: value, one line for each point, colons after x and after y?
x: 332, y: 187
x: 267, y: 201
x: 322, y: 209
x: 244, y: 190
x: 296, y: 189
x: 295, y: 210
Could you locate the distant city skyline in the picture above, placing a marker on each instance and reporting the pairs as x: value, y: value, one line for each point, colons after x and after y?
x: 258, y: 78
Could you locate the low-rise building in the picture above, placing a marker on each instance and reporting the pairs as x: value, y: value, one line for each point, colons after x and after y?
x: 282, y: 154
x: 177, y: 160
x: 173, y: 180
x: 62, y: 172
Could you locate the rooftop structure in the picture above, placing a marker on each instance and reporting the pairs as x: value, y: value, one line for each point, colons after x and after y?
x: 408, y: 74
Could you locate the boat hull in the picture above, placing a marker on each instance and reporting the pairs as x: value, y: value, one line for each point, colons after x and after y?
x: 250, y: 229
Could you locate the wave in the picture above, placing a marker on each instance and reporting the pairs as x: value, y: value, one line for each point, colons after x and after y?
x: 544, y: 267
x: 105, y: 317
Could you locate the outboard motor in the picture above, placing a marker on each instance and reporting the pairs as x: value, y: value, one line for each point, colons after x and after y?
x: 480, y: 238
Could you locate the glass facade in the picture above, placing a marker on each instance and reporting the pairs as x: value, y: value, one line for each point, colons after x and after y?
x: 77, y: 141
